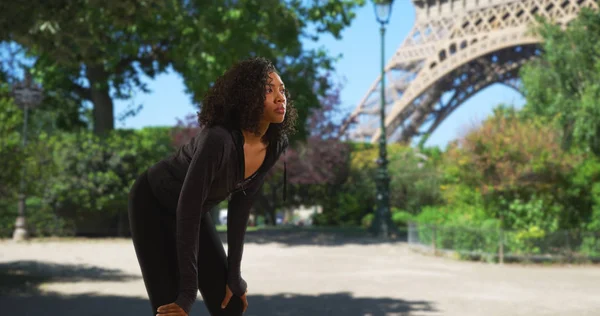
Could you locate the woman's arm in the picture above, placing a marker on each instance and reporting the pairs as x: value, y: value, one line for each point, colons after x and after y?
x: 238, y: 212
x: 205, y: 163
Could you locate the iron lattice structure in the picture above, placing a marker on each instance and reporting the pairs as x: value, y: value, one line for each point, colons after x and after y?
x: 455, y: 49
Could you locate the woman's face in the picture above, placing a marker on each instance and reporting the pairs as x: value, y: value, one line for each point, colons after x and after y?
x: 275, y: 101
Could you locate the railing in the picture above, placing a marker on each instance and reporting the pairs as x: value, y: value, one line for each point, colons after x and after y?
x: 505, y: 245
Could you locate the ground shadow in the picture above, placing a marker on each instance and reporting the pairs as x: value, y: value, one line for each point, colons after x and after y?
x: 25, y: 277
x: 302, y: 237
x: 20, y: 295
x: 337, y: 304
x: 334, y: 304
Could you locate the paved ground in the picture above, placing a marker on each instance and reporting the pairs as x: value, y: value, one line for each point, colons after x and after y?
x: 295, y: 274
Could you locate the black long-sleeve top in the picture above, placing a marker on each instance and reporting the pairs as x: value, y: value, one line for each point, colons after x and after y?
x: 201, y: 174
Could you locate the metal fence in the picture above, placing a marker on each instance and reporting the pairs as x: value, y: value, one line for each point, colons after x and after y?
x: 505, y: 245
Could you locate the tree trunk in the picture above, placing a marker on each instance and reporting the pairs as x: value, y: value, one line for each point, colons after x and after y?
x: 264, y: 206
x: 123, y: 228
x: 214, y: 213
x: 272, y: 220
x: 104, y: 119
x: 272, y: 210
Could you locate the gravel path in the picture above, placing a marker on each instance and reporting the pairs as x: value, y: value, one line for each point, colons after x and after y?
x: 297, y: 275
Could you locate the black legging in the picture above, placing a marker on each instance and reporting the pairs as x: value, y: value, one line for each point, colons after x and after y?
x: 153, y: 234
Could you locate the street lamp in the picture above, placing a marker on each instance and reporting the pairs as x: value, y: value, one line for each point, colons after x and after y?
x: 27, y: 96
x: 382, y: 221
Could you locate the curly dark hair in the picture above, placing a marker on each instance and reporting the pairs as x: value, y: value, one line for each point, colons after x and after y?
x: 236, y: 100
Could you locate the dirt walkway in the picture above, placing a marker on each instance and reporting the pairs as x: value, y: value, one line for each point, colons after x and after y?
x: 320, y: 276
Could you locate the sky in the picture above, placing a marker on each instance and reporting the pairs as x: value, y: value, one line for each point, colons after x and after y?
x: 358, y: 67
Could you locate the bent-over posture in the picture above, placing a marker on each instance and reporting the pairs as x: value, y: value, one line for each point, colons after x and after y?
x: 245, y: 121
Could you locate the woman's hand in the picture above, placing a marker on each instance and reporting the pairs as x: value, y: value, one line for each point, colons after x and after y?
x: 171, y: 310
x: 229, y: 295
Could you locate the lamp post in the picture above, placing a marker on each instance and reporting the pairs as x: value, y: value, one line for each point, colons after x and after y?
x: 27, y: 96
x: 382, y: 222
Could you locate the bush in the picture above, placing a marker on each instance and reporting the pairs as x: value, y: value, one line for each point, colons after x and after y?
x: 367, y: 220
x: 82, y: 181
x: 413, y: 186
x: 40, y: 222
x: 401, y: 218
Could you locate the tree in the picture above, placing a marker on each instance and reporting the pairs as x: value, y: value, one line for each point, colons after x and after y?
x: 563, y: 86
x: 11, y: 119
x: 415, y: 180
x: 517, y: 164
x: 91, y: 51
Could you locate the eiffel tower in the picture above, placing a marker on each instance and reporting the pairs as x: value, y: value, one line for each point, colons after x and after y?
x: 455, y: 48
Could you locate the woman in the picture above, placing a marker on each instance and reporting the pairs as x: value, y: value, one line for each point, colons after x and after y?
x: 245, y: 118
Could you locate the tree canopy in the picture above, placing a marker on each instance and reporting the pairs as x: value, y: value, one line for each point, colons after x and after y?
x: 563, y: 86
x: 93, y: 52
